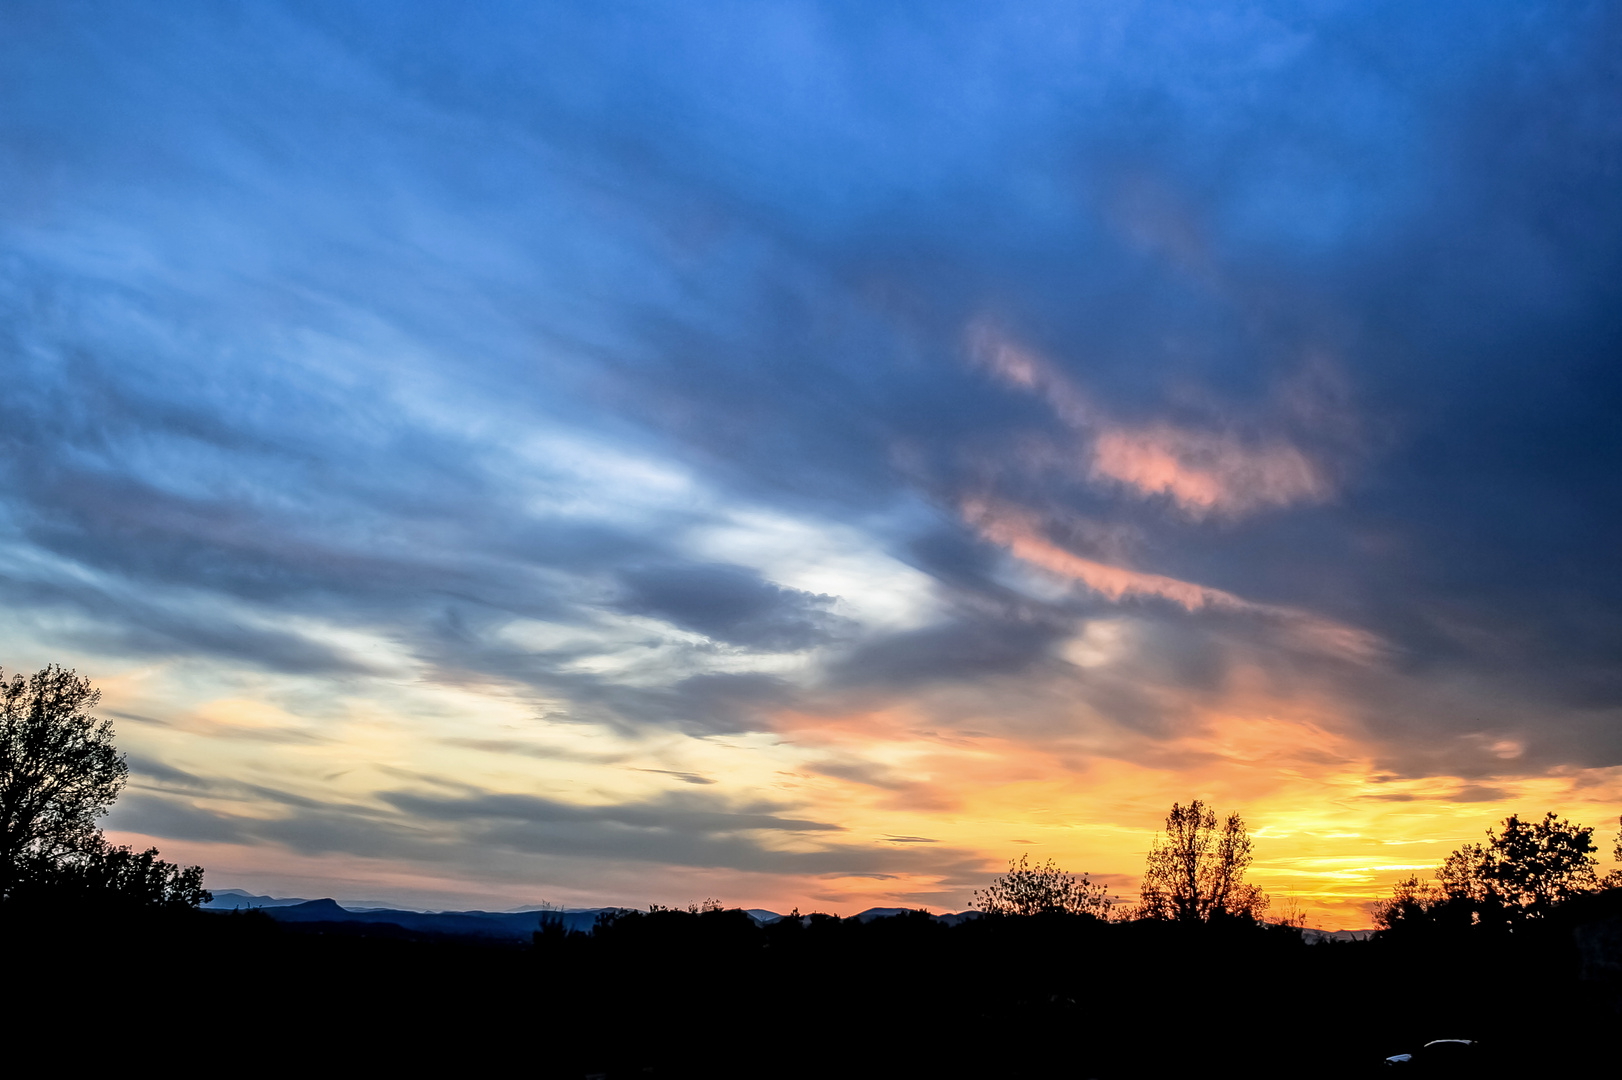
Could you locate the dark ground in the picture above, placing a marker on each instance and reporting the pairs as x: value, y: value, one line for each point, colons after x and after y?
x: 676, y: 994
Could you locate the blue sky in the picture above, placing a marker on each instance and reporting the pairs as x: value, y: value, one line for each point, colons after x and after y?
x: 809, y: 453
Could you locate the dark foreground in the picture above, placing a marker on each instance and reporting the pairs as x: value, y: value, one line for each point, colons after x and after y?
x: 673, y: 994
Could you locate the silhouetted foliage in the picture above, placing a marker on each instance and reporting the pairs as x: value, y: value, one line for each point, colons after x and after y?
x: 1523, y: 872
x: 710, y: 904
x: 674, y: 992
x: 1529, y: 867
x: 1043, y: 889
x: 1196, y: 869
x: 59, y: 772
x: 1412, y: 899
x: 1613, y: 880
x: 1289, y: 915
x: 704, y: 991
x: 121, y: 875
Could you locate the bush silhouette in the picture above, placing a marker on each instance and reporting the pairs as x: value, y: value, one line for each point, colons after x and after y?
x: 1043, y: 889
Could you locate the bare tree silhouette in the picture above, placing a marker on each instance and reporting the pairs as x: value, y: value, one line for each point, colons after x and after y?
x: 1196, y: 869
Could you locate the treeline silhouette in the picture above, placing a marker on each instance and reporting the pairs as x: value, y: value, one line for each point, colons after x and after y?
x: 1516, y: 943
x: 712, y: 993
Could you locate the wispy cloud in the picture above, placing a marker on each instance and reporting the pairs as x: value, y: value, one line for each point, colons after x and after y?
x: 1020, y: 533
x: 1200, y: 471
x: 1017, y: 532
x: 1203, y: 472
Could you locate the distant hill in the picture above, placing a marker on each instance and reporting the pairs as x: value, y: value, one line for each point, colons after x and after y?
x: 519, y: 925
x: 231, y: 899
x: 512, y: 926
x: 1314, y: 937
x: 763, y: 917
x: 487, y: 925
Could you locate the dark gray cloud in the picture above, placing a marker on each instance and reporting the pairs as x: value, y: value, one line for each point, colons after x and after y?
x: 679, y: 830
x: 167, y: 775
x: 673, y: 813
x: 973, y: 646
x: 684, y: 777
x: 732, y: 604
x: 711, y: 703
x: 476, y: 830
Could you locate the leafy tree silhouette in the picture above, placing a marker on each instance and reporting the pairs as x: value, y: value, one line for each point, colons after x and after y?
x: 1196, y: 869
x: 1412, y: 899
x: 127, y: 876
x: 1525, y: 871
x: 59, y: 772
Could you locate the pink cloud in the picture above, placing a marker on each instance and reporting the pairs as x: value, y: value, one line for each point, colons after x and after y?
x: 1017, y: 532
x: 1202, y: 472
x: 1020, y: 533
x: 1020, y: 367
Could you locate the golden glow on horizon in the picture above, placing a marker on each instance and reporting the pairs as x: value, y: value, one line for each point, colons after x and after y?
x: 1332, y: 831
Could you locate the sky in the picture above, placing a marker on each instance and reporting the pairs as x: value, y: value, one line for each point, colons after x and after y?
x: 810, y: 454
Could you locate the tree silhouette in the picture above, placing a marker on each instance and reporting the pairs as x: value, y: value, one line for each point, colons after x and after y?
x: 1412, y: 899
x: 1196, y: 869
x: 122, y: 875
x: 1613, y: 880
x: 1528, y: 868
x: 1043, y: 889
x: 1524, y: 871
x: 59, y: 772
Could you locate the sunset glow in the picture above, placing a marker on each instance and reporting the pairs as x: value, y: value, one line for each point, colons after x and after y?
x: 809, y: 456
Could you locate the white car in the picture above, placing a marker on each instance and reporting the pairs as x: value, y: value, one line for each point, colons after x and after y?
x: 1438, y: 1052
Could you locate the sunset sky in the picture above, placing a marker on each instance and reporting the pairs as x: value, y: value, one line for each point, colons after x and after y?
x: 810, y: 454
